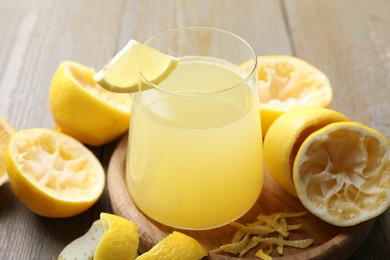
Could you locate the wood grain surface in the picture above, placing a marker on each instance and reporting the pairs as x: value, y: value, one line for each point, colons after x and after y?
x: 348, y: 40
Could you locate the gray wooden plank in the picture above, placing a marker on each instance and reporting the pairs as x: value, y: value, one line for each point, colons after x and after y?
x: 354, y: 37
x: 259, y: 22
x: 348, y: 40
x: 39, y: 35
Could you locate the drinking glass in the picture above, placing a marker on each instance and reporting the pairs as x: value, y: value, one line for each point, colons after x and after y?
x: 195, y: 145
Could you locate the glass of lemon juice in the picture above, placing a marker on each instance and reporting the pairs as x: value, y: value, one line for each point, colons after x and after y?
x: 195, y: 145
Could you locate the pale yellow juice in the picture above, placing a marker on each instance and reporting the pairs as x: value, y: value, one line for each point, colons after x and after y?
x: 195, y: 161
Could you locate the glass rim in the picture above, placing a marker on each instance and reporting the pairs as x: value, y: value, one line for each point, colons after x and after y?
x: 199, y: 28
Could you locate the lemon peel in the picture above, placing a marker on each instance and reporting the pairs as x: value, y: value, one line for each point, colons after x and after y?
x: 120, y: 239
x: 110, y: 237
x: 176, y: 246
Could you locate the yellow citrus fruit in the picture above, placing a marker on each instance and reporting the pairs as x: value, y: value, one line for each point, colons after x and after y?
x: 52, y: 173
x: 176, y: 246
x: 83, y: 109
x: 110, y: 237
x: 6, y: 131
x: 286, y: 135
x: 342, y: 173
x: 286, y: 82
x: 122, y: 73
x: 119, y: 241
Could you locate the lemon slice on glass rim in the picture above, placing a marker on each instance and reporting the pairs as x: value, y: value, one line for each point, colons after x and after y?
x: 122, y: 73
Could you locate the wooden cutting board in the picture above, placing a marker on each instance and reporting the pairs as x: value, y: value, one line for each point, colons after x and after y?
x: 330, y: 242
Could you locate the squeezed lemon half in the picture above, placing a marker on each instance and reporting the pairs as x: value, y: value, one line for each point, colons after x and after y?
x: 286, y: 82
x: 83, y: 109
x: 342, y: 173
x: 53, y: 174
x: 337, y: 168
x: 285, y: 136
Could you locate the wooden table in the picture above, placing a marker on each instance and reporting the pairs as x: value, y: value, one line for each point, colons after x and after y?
x: 348, y: 40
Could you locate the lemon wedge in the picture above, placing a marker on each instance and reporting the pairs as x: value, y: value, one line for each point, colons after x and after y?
x: 123, y: 72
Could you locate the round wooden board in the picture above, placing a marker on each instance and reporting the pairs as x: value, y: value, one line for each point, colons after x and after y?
x: 330, y: 242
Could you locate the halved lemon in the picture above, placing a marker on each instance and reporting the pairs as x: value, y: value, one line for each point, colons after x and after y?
x: 83, y: 109
x: 286, y: 82
x: 123, y: 72
x: 53, y: 174
x: 286, y: 135
x: 6, y: 131
x: 342, y: 173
